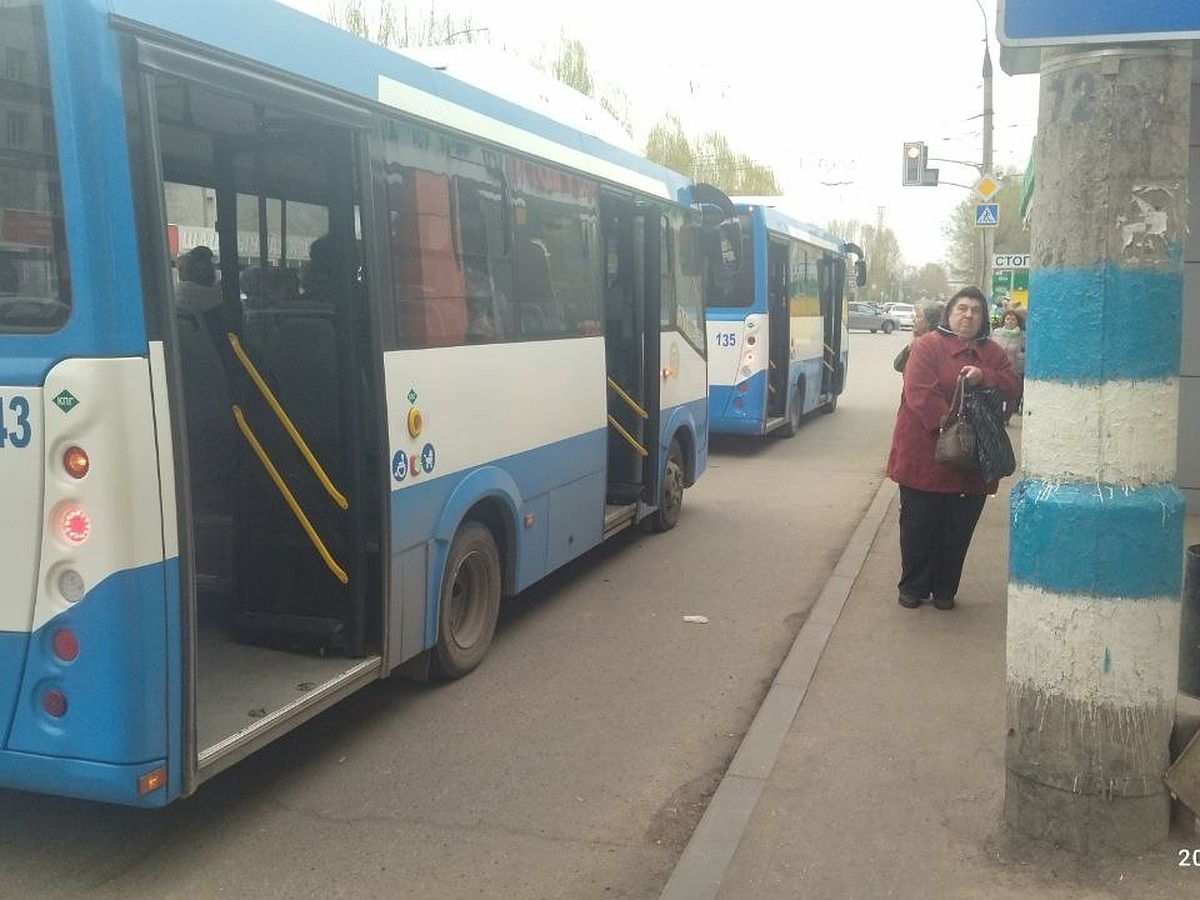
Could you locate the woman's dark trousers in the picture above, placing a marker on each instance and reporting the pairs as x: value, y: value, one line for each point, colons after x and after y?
x: 935, y: 532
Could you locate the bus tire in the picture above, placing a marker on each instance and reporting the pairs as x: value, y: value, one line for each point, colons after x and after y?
x: 797, y: 414
x: 469, y: 603
x: 671, y: 505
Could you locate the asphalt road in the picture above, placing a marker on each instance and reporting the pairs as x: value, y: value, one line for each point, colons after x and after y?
x: 573, y: 763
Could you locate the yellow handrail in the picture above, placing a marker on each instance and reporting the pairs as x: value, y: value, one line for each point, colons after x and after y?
x: 642, y: 451
x: 633, y: 404
x: 288, y: 498
x: 263, y: 389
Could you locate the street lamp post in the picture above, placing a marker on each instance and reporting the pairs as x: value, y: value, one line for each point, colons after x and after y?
x: 986, y: 236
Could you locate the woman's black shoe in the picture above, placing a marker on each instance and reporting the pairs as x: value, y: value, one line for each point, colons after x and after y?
x: 943, y: 602
x: 909, y: 602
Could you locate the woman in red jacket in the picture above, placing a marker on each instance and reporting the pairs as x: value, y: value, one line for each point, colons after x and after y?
x: 940, y: 504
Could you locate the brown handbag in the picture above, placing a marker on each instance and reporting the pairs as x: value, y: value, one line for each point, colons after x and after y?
x: 956, y: 445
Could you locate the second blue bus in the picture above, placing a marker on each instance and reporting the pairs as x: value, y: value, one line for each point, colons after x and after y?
x: 777, y: 334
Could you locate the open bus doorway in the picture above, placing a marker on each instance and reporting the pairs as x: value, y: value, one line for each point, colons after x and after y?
x: 280, y: 518
x: 631, y: 241
x: 779, y: 326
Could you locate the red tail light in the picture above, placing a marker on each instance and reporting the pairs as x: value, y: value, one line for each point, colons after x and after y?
x: 74, y: 524
x: 54, y: 702
x: 65, y: 644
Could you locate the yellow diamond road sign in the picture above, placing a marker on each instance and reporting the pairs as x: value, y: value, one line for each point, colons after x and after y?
x: 986, y: 187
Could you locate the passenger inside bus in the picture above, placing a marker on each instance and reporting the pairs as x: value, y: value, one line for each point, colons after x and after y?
x: 198, y: 291
x: 320, y: 275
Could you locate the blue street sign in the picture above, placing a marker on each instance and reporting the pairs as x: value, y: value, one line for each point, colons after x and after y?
x: 1044, y: 22
x: 987, y: 215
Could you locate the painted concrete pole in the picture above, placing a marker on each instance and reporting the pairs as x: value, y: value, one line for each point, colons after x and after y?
x: 1097, y: 524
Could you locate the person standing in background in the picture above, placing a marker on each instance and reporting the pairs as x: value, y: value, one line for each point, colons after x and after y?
x: 1011, y: 338
x: 926, y: 317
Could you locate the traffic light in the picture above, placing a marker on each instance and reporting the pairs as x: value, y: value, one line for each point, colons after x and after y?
x: 916, y: 171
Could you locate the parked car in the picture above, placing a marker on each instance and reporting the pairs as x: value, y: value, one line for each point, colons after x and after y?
x: 902, y: 313
x: 868, y: 317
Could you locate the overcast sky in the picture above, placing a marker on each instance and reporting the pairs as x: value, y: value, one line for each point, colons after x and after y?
x: 826, y: 93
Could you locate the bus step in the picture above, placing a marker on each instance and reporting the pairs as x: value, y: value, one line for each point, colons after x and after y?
x: 617, y: 518
x: 771, y: 424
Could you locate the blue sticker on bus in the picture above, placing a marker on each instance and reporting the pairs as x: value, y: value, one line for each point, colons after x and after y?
x: 428, y: 458
x: 400, y: 465
x: 24, y: 431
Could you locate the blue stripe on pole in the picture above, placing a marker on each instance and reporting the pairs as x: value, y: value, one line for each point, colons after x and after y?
x: 1097, y: 540
x: 1102, y: 324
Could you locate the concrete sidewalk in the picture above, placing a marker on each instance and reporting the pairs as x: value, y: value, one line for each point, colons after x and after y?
x: 875, y: 766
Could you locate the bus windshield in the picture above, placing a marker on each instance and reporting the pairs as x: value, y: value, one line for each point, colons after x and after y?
x: 34, y: 288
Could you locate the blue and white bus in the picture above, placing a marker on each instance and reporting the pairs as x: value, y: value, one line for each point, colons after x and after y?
x: 423, y: 345
x: 777, y: 335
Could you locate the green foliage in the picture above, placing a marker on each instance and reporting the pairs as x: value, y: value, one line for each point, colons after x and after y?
x: 392, y: 30
x: 572, y: 69
x: 710, y: 159
x: 965, y: 241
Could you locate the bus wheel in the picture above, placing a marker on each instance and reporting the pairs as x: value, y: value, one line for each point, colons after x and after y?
x: 667, y: 514
x: 797, y: 414
x: 469, y: 603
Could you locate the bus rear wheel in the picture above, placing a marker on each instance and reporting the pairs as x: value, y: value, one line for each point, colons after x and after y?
x: 671, y: 504
x: 469, y: 602
x: 796, y: 417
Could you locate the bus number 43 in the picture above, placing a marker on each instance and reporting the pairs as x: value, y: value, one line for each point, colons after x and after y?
x: 22, y: 432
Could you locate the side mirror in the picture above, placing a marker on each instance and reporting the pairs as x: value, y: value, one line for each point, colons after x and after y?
x: 860, y: 272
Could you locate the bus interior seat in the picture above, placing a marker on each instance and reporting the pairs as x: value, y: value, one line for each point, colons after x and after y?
x: 294, y: 346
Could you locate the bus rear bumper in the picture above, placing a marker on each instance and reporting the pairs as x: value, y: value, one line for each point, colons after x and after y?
x: 82, y: 779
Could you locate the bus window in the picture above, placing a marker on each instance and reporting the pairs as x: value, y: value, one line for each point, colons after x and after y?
x: 558, y: 258
x: 35, y: 292
x: 689, y: 287
x: 452, y: 270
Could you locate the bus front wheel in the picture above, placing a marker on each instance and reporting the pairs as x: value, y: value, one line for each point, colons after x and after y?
x: 671, y: 504
x: 469, y: 602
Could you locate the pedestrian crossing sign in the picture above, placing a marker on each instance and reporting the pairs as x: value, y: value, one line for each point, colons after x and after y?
x: 987, y: 215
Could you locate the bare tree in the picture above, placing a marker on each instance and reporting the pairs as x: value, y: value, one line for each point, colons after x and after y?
x: 887, y: 275
x: 932, y: 281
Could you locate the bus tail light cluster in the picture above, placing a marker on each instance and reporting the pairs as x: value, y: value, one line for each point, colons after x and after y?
x: 749, y: 352
x: 71, y: 522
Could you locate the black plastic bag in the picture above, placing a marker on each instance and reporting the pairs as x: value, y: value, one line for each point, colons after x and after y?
x: 985, y: 409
